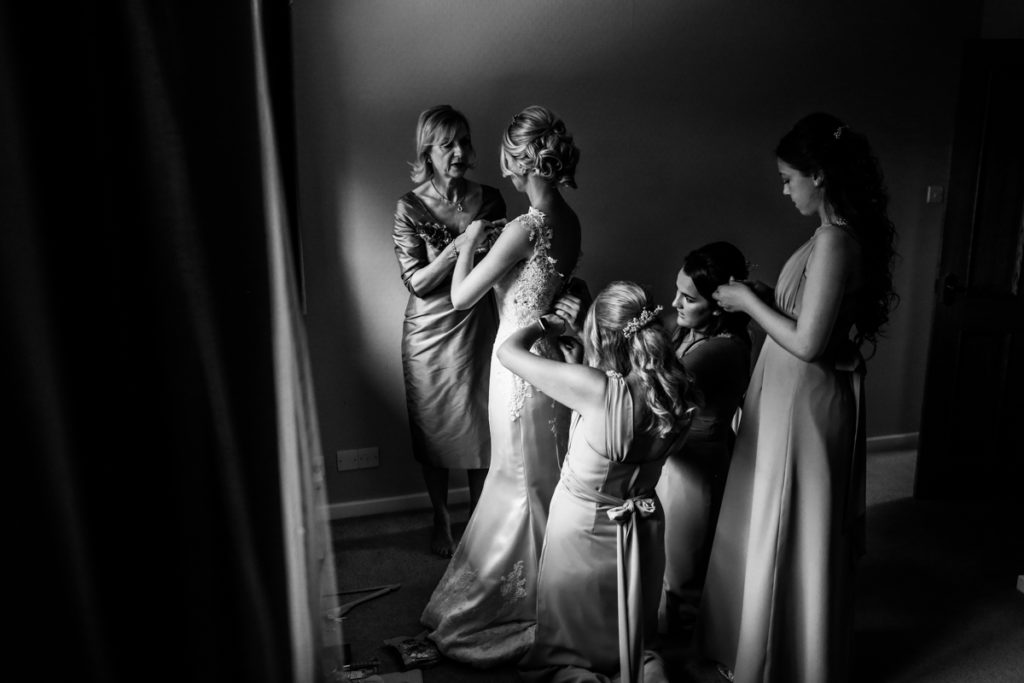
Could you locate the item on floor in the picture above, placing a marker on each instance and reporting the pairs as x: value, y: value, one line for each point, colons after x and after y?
x: 364, y: 672
x: 415, y: 651
x: 340, y: 611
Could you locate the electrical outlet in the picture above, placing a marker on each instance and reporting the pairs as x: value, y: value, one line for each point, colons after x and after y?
x: 358, y: 458
x: 934, y: 194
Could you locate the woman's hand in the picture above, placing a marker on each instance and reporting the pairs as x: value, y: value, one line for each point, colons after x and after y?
x: 572, y: 350
x: 569, y: 308
x: 554, y: 324
x: 477, y: 232
x: 763, y: 291
x: 734, y: 296
x: 455, y: 246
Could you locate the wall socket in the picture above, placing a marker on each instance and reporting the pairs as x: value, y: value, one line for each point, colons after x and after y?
x: 358, y: 458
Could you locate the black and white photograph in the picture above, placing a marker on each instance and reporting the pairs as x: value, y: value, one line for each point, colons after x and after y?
x: 552, y: 341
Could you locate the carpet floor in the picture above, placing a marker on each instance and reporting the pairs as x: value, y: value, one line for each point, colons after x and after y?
x: 936, y: 593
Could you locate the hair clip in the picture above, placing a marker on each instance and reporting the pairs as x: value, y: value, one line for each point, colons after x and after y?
x: 839, y: 131
x: 640, y: 322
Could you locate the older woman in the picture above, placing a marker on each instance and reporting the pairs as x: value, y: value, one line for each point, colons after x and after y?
x: 445, y: 352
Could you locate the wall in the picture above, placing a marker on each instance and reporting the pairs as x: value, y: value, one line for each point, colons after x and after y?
x: 676, y: 107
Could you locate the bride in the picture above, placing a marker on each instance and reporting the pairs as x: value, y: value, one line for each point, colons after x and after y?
x: 483, y: 611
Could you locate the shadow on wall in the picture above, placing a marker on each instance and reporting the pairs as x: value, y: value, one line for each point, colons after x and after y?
x: 676, y: 108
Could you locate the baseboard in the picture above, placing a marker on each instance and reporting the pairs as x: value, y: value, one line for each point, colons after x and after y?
x: 377, y: 506
x: 892, y: 442
x: 457, y: 496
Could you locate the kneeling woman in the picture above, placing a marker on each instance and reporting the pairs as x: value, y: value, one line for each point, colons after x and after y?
x: 601, y: 568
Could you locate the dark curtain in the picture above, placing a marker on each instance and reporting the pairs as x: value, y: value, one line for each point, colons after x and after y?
x: 142, y: 446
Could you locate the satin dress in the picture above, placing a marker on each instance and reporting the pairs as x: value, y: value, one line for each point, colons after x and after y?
x: 601, y: 570
x: 778, y: 600
x: 483, y: 611
x: 693, y: 480
x: 445, y: 353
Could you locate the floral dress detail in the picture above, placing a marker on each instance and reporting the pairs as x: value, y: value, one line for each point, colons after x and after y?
x: 483, y: 611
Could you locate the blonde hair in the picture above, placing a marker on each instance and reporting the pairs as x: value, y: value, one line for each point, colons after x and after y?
x: 536, y: 141
x: 436, y: 126
x: 647, y: 352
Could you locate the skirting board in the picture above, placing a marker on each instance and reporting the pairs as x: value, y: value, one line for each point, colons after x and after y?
x: 377, y: 506
x: 892, y: 442
x: 420, y: 501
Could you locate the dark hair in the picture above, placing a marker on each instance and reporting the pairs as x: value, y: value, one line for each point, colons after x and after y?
x: 537, y: 141
x: 711, y: 266
x: 436, y: 126
x: 855, y: 191
x: 647, y: 352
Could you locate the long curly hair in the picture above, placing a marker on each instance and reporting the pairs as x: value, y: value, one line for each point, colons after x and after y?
x: 855, y: 192
x: 438, y: 125
x: 648, y: 353
x: 537, y: 141
x: 709, y: 267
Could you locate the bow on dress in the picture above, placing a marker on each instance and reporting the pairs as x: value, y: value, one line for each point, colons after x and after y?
x: 630, y: 597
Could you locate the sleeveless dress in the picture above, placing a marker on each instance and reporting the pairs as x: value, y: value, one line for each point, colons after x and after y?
x: 445, y: 353
x: 778, y: 597
x: 601, y: 569
x: 483, y: 611
x: 693, y: 480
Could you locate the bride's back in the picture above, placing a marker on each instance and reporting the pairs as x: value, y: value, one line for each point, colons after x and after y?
x: 565, y: 238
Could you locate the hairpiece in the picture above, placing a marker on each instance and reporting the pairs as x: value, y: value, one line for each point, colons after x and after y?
x: 839, y: 131
x: 640, y: 322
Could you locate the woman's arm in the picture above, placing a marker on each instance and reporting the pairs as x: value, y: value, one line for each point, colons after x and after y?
x: 425, y: 279
x: 419, y: 274
x: 470, y: 283
x: 828, y: 270
x: 577, y: 386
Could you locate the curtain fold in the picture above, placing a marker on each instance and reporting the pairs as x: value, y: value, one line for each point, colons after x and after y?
x: 316, y: 640
x: 155, y: 383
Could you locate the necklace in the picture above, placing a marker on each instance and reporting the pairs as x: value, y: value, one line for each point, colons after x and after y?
x: 457, y: 203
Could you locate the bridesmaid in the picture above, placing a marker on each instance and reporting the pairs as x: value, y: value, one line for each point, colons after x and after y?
x: 714, y: 347
x: 779, y: 594
x: 601, y: 566
x: 445, y: 352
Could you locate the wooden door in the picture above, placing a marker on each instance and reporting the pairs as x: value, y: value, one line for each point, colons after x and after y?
x: 971, y: 441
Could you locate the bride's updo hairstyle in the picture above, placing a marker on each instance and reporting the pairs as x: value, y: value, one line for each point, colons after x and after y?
x: 625, y: 334
x: 537, y: 142
x: 437, y: 126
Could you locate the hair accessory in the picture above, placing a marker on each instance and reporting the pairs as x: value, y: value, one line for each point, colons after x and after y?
x: 839, y: 131
x: 640, y: 322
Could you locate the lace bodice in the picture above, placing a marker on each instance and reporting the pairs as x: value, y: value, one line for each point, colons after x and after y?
x: 523, y: 294
x: 529, y: 288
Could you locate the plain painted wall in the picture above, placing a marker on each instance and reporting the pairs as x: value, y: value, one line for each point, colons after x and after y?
x: 676, y: 106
